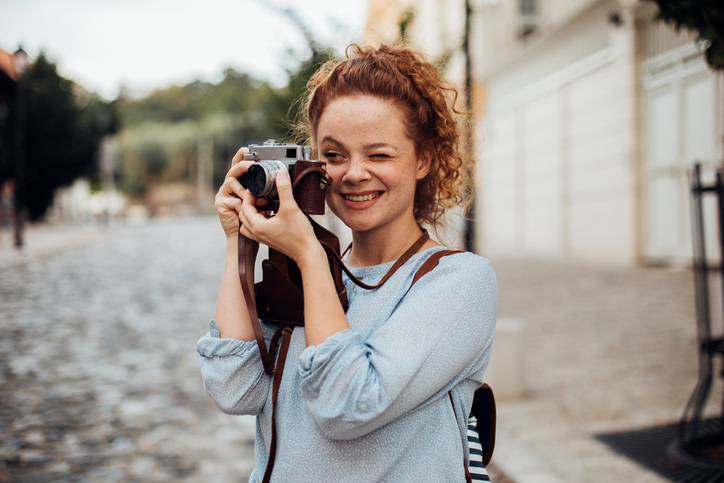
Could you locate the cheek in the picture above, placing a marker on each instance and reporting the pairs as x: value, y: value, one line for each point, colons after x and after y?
x: 335, y: 173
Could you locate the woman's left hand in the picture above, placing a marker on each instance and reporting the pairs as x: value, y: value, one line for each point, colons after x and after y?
x: 288, y: 231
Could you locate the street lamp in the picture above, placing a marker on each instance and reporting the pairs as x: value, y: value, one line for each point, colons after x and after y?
x: 20, y: 66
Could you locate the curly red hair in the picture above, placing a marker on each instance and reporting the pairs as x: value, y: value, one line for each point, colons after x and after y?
x: 407, y: 78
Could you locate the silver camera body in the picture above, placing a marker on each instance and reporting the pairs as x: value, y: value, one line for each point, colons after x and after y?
x: 270, y: 157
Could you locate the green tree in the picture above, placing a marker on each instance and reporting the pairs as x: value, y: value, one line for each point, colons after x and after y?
x: 61, y: 130
x: 703, y: 17
x: 235, y: 112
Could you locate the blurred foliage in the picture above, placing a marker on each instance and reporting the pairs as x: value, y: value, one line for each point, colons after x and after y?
x: 62, y: 126
x: 160, y: 138
x: 164, y: 132
x: 703, y: 17
x: 405, y: 22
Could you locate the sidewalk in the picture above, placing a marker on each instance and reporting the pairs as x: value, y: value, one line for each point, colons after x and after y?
x: 606, y: 349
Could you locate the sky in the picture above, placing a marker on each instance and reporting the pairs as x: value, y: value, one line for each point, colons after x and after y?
x: 147, y: 44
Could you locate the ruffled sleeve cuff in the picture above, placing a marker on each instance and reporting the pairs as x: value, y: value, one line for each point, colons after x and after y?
x: 211, y: 345
x: 232, y: 373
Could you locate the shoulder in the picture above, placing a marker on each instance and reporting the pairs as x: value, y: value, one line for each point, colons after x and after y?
x: 459, y: 261
x: 452, y: 267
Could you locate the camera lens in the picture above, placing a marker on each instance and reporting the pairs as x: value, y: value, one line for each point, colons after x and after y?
x: 260, y: 178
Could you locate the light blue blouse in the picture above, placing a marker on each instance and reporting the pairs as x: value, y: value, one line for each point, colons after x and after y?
x: 371, y: 403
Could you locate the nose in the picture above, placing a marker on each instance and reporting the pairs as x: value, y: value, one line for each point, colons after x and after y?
x: 356, y: 170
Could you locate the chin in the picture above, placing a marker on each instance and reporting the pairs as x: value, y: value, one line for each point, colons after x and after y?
x: 358, y: 225
x: 354, y: 221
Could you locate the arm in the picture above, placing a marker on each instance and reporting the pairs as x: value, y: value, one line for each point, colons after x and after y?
x: 233, y: 374
x: 439, y: 335
x: 232, y: 370
x: 231, y: 311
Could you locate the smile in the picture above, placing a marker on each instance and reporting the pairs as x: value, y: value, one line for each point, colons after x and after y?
x: 367, y: 197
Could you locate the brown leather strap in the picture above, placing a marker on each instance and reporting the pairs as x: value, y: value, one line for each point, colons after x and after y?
x: 298, y: 177
x: 247, y: 258
x: 414, y: 248
x: 277, y: 381
x: 431, y: 262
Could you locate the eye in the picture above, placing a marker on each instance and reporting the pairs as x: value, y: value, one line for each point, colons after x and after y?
x: 332, y: 157
x: 381, y: 156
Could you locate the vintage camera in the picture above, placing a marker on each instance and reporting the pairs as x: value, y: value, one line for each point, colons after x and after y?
x: 309, y: 178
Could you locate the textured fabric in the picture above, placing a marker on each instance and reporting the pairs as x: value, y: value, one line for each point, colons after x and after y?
x: 371, y: 403
x: 475, y: 466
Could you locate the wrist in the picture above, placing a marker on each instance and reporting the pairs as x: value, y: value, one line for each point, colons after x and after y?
x: 314, y: 256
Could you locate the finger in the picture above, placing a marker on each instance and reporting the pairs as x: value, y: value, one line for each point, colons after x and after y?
x: 239, y: 156
x: 233, y: 186
x: 284, y: 188
x: 261, y: 203
x: 244, y: 231
x: 230, y: 201
x: 238, y: 169
x: 248, y: 212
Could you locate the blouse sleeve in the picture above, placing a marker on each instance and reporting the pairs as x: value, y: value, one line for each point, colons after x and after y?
x: 232, y: 372
x: 440, y: 334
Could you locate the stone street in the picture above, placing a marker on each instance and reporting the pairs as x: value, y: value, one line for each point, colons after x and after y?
x: 100, y: 379
x: 99, y: 375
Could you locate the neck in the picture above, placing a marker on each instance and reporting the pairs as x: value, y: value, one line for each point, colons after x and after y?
x: 375, y: 247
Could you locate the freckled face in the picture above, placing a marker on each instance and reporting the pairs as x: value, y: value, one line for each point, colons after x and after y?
x: 373, y: 164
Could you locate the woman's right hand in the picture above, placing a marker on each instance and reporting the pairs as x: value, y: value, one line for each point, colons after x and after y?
x: 228, y: 198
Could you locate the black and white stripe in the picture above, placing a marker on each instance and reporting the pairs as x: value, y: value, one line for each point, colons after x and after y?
x: 476, y: 468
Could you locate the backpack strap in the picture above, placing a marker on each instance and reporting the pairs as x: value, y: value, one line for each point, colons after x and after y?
x: 429, y: 264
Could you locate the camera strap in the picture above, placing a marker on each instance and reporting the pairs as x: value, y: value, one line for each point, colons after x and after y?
x: 278, y: 272
x: 248, y: 250
x: 279, y: 295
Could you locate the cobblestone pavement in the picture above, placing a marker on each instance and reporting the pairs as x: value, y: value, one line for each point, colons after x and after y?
x: 99, y: 376
x: 100, y: 380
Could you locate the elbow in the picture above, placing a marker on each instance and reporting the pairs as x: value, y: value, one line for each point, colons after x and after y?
x: 346, y: 423
x: 225, y: 400
x: 339, y: 430
x: 234, y: 392
x: 236, y: 404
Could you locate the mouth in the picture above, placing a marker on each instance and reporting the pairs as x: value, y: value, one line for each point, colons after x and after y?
x: 363, y: 197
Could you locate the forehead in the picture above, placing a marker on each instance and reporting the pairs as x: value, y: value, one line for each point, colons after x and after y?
x: 362, y: 116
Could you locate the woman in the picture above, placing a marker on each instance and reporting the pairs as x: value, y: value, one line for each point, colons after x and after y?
x: 380, y: 392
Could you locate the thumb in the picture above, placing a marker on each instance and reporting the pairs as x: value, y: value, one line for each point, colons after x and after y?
x: 284, y: 189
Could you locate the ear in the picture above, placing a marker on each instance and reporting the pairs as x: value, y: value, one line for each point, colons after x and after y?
x: 424, y: 162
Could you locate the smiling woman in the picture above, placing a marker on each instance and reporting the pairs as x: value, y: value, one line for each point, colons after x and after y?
x: 375, y: 168
x: 381, y: 391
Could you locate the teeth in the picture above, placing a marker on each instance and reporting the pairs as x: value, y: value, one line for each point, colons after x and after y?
x: 368, y: 197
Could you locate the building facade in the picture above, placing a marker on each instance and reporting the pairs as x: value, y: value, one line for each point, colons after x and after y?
x: 589, y: 117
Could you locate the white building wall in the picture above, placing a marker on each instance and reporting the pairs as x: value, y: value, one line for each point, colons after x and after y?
x: 586, y: 129
x: 558, y: 174
x: 602, y: 179
x: 542, y: 175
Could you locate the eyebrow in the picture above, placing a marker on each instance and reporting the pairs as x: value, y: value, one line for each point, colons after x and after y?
x: 367, y: 146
